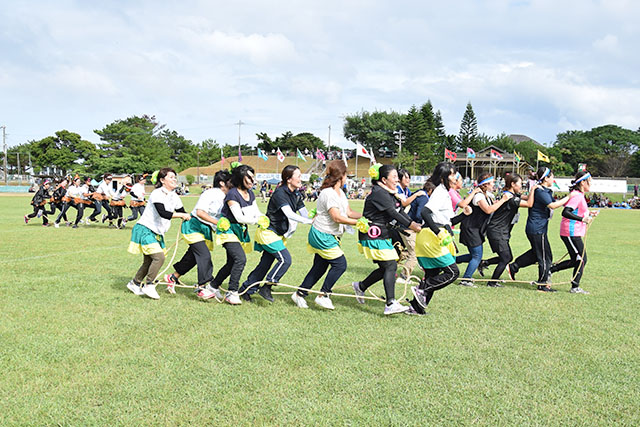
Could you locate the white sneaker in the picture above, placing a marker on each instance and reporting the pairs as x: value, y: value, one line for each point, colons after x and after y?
x: 358, y: 291
x: 394, y: 308
x: 56, y: 225
x: 216, y: 291
x: 232, y: 298
x: 402, y: 281
x: 150, y: 291
x: 299, y: 300
x: 205, y: 293
x: 324, y: 302
x: 133, y: 287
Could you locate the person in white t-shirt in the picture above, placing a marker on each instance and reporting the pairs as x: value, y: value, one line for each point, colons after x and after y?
x: 137, y: 202
x: 199, y: 232
x: 331, y: 220
x: 147, y: 236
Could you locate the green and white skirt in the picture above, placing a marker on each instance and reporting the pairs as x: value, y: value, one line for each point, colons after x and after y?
x: 145, y: 241
x: 323, y: 244
x: 195, y: 231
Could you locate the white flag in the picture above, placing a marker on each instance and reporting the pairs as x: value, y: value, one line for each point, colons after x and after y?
x: 344, y: 158
x: 361, y: 151
x: 373, y: 158
x: 279, y: 155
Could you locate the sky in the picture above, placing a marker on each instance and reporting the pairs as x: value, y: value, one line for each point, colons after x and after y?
x: 537, y: 68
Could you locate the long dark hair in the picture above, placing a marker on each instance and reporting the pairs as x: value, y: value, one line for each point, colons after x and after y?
x: 441, y: 174
x: 239, y: 173
x: 511, y: 179
x: 335, y: 171
x: 541, y: 171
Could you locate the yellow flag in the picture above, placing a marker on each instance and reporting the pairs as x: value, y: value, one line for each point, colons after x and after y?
x: 542, y: 157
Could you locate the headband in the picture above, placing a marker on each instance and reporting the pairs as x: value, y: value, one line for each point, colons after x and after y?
x: 582, y: 178
x: 374, y: 171
x: 485, y: 181
x: 547, y: 171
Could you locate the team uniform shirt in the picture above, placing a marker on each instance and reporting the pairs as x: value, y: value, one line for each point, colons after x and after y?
x: 120, y: 193
x: 75, y: 192
x: 283, y: 196
x: 329, y: 199
x: 150, y: 217
x: 539, y: 213
x: 383, y: 210
x: 572, y: 227
x: 104, y: 188
x: 472, y: 230
x: 137, y: 192
x: 85, y: 190
x: 58, y: 194
x: 441, y: 205
x: 246, y: 206
x: 212, y: 202
x: 455, y: 198
x: 504, y: 218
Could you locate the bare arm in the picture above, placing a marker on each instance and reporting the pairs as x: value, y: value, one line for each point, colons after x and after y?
x: 206, y: 217
x: 558, y: 203
x: 336, y: 216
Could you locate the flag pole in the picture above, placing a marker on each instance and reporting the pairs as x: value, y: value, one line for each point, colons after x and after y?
x: 356, y: 165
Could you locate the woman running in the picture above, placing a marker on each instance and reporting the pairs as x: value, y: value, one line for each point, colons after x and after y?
x: 407, y: 237
x: 474, y: 227
x: 332, y: 217
x: 56, y: 200
x: 270, y: 240
x: 39, y: 203
x: 536, y: 230
x: 573, y: 226
x: 198, y: 232
x: 240, y: 209
x: 501, y: 224
x: 137, y: 202
x: 435, y: 247
x: 147, y: 236
x: 382, y: 208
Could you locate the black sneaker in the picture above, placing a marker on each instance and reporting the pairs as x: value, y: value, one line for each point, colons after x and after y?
x: 74, y: 226
x: 483, y: 264
x: 511, y: 272
x: 546, y: 288
x: 265, y: 292
x: 494, y: 285
x: 246, y: 297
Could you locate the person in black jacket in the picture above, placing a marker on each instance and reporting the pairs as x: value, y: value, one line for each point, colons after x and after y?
x: 382, y: 208
x: 473, y: 228
x: 39, y: 202
x: 501, y: 224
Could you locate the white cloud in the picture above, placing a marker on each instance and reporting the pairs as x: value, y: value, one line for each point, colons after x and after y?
x: 607, y: 44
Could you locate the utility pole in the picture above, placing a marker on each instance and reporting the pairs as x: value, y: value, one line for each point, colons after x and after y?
x: 240, y: 123
x: 4, y: 143
x: 329, y: 139
x: 399, y: 139
x: 198, y: 181
x: 19, y: 174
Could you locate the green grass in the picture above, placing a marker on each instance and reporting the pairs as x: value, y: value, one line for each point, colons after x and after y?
x: 78, y: 349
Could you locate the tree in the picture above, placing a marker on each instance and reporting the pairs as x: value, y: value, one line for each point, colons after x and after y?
x: 66, y: 151
x: 373, y: 130
x: 289, y: 142
x: 132, y: 145
x: 418, y: 142
x: 468, y: 136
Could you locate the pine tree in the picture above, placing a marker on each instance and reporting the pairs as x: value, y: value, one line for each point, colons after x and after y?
x: 468, y: 136
x: 427, y: 114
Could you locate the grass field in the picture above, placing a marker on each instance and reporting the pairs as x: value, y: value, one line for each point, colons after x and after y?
x: 77, y: 348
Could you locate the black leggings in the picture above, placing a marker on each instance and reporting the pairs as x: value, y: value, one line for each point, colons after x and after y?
x: 540, y: 252
x: 578, y: 260
x: 320, y: 265
x: 505, y: 256
x: 283, y: 262
x: 117, y: 214
x: 197, y: 254
x: 58, y: 206
x: 236, y: 260
x: 386, y: 272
